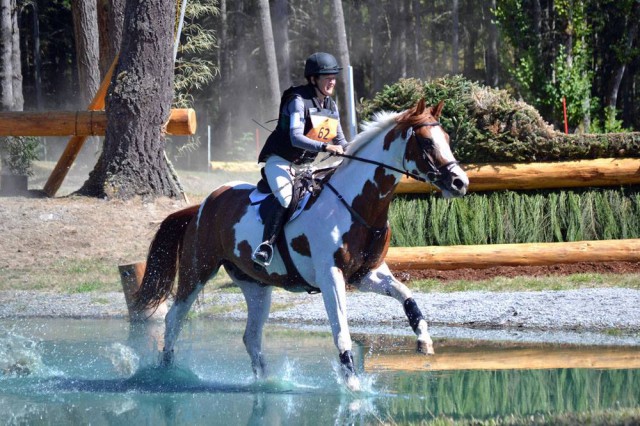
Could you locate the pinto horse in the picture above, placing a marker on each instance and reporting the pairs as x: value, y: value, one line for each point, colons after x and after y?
x: 341, y: 236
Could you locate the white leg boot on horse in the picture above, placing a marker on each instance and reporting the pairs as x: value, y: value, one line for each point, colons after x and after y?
x: 334, y: 295
x: 258, y: 300
x: 382, y: 281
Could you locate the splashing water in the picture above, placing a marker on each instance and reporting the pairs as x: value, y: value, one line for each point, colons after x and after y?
x: 21, y: 356
x: 123, y: 358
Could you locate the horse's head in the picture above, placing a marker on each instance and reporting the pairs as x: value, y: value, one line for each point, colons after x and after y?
x: 428, y: 153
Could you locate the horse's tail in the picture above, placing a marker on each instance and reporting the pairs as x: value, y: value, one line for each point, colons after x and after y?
x: 162, y: 260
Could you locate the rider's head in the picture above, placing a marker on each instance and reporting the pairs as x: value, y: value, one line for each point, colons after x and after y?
x: 320, y: 70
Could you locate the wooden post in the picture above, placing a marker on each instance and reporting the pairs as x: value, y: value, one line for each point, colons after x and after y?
x: 75, y: 143
x: 131, y: 276
x: 81, y: 123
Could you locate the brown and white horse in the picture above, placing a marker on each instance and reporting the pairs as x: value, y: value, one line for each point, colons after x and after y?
x: 341, y: 236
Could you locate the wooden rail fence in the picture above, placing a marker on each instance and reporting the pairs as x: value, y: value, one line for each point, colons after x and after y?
x: 494, y: 177
x: 568, y: 174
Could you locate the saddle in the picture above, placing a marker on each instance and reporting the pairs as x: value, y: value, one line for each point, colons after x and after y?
x: 306, y: 185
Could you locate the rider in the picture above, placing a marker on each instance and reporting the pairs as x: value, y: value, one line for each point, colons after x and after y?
x: 308, y: 123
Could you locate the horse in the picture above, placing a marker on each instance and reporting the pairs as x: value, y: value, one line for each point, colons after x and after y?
x: 341, y: 237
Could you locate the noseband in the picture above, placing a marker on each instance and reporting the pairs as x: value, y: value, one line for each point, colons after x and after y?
x: 435, y: 173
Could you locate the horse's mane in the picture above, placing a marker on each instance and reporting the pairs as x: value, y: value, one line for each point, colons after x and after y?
x: 382, y: 121
x: 370, y: 129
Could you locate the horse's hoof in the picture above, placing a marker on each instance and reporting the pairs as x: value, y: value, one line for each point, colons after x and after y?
x: 166, y: 359
x: 425, y: 347
x: 353, y: 383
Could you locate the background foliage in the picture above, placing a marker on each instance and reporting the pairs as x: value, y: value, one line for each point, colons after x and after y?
x: 539, y: 51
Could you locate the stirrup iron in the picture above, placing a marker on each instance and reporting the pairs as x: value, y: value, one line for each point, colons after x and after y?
x: 263, y: 254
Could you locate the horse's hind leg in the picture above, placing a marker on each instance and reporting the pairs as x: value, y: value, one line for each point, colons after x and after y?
x: 173, y: 324
x: 382, y: 281
x: 258, y: 298
x: 189, y: 286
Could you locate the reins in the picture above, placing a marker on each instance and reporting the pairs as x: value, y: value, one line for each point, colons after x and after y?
x: 432, y: 177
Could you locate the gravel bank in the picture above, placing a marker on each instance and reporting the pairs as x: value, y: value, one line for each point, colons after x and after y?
x: 587, y: 316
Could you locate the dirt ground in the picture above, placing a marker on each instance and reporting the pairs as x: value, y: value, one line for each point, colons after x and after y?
x: 36, y: 232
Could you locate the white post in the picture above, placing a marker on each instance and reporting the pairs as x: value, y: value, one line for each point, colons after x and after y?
x: 176, y: 44
x: 351, y: 104
x: 209, y: 147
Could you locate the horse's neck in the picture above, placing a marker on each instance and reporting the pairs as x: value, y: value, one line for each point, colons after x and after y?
x: 368, y: 188
x: 357, y: 173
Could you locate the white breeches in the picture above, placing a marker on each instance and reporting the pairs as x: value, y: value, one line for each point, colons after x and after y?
x: 279, y: 174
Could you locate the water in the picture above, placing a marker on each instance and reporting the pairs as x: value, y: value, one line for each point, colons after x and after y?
x: 57, y: 371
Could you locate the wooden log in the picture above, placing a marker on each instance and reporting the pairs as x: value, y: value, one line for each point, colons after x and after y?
x: 532, y: 254
x: 131, y: 277
x: 80, y: 123
x: 569, y: 174
x: 485, y: 358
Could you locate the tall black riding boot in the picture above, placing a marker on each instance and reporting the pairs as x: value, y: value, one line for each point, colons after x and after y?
x: 272, y: 227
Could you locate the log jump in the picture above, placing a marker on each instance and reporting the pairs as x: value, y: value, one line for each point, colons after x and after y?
x: 182, y: 122
x: 521, y: 176
x: 527, y: 254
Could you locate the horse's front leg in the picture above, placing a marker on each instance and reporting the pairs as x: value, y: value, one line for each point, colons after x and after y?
x: 382, y: 281
x: 334, y: 295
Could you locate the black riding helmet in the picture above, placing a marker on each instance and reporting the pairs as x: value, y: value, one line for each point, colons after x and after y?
x: 321, y: 63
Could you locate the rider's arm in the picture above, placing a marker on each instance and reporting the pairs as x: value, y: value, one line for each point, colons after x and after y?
x: 295, y: 109
x: 340, y: 139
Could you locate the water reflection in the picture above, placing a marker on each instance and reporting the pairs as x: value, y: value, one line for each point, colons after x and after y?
x: 103, y: 372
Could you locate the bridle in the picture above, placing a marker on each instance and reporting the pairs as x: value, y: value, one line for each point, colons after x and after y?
x: 435, y: 173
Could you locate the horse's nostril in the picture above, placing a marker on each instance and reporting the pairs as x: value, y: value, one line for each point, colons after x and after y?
x: 457, y: 183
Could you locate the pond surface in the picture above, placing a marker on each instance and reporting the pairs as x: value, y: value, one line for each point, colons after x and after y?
x: 61, y: 371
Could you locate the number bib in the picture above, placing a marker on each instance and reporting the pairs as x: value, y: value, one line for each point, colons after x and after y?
x: 324, y: 125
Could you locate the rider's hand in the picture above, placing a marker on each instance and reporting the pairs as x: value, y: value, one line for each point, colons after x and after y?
x: 334, y: 149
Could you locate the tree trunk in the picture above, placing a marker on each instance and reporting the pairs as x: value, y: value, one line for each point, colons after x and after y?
x: 133, y: 162
x: 455, y: 43
x: 491, y: 50
x: 110, y: 20
x: 16, y: 80
x: 6, y: 51
x: 281, y: 36
x: 37, y: 59
x: 273, y: 90
x: 85, y: 30
x: 223, y: 123
x: 618, y: 73
x: 344, y: 61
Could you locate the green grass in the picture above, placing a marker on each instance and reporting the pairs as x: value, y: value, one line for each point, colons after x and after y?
x: 64, y: 276
x: 526, y: 283
x: 623, y: 416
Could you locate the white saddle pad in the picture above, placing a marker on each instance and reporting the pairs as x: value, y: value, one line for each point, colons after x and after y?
x: 256, y: 196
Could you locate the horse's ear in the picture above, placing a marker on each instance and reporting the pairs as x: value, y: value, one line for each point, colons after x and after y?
x: 420, y: 107
x: 437, y: 110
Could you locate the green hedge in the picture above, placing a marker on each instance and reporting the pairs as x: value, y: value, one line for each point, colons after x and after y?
x: 516, y: 217
x: 488, y: 125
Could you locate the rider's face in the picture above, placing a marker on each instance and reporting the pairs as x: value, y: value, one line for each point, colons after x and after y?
x: 326, y: 83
